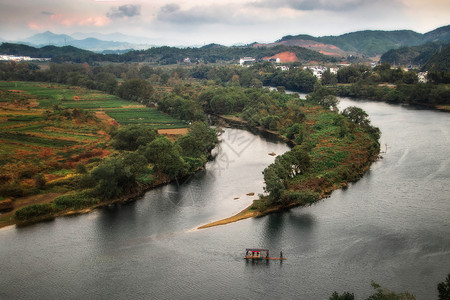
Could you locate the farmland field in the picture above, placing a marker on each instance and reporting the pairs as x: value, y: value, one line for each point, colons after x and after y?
x: 46, y: 128
x: 145, y: 115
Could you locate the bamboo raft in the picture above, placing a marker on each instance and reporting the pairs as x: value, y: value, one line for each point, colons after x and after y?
x: 264, y: 257
x: 261, y: 254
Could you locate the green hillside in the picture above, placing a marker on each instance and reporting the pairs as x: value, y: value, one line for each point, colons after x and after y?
x: 162, y: 55
x: 415, y: 55
x: 440, y: 61
x: 377, y: 42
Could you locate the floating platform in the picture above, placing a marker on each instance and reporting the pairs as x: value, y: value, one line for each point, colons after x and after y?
x: 261, y: 254
x: 263, y: 257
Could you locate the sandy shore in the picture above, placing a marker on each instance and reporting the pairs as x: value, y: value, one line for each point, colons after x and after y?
x: 245, y: 214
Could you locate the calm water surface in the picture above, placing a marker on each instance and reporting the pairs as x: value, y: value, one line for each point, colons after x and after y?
x: 392, y: 227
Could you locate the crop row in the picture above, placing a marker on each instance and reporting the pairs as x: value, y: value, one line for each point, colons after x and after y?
x: 147, y: 115
x: 22, y: 138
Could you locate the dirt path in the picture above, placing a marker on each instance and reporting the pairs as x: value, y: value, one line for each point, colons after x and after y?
x: 7, y: 218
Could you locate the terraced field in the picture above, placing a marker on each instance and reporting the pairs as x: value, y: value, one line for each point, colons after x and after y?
x: 46, y: 128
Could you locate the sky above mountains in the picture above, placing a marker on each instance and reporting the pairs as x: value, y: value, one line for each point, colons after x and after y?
x: 227, y: 22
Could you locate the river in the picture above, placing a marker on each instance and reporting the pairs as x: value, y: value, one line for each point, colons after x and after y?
x: 391, y: 227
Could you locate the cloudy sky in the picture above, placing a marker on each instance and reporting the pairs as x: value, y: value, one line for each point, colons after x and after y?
x: 227, y: 22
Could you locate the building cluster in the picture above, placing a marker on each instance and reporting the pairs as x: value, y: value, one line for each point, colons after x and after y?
x: 318, y: 70
x: 422, y: 77
x: 246, y: 61
x: 5, y: 57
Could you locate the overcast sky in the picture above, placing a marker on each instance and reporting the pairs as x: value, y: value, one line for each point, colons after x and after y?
x: 227, y: 22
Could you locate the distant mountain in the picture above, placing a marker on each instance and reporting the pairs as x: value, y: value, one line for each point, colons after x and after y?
x: 88, y: 43
x: 369, y: 42
x: 113, y: 37
x: 94, y: 44
x: 57, y: 54
x: 438, y: 35
x: 49, y: 38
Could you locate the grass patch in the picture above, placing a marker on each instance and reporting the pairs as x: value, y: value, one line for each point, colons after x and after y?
x: 145, y: 116
x: 77, y: 200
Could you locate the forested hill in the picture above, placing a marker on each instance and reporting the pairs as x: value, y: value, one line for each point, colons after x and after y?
x: 216, y: 53
x: 414, y: 55
x: 376, y: 42
x: 57, y: 54
x: 163, y: 55
x: 440, y: 61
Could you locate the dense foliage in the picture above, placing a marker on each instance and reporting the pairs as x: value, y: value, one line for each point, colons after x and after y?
x: 389, y: 84
x: 162, y: 55
x: 322, y: 159
x: 413, y: 55
x: 368, y: 42
x: 385, y: 294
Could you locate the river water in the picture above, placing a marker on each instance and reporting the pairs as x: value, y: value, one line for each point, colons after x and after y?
x: 392, y: 227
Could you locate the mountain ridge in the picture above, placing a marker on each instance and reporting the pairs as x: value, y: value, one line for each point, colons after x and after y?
x: 366, y: 44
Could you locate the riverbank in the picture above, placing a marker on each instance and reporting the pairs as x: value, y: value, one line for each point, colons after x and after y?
x: 7, y: 218
x: 324, y: 188
x: 248, y: 212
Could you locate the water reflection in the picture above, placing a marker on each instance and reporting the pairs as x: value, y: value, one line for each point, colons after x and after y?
x: 304, y: 221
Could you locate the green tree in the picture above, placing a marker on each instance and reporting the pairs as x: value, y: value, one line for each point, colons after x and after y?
x: 274, y: 184
x: 444, y: 289
x: 113, y: 178
x: 329, y: 78
x: 329, y: 102
x: 344, y: 296
x: 132, y: 137
x: 356, y: 115
x: 136, y: 89
x: 199, y: 141
x: 385, y: 294
x: 136, y: 163
x: 165, y: 156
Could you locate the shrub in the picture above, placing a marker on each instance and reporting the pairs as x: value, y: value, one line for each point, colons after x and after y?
x: 95, y: 160
x: 86, y: 181
x: 80, y: 168
x: 39, y: 180
x: 34, y: 211
x: 75, y: 201
x: 259, y: 205
x: 302, y: 197
x: 12, y: 190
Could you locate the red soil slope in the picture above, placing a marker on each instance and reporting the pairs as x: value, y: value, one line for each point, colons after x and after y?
x: 284, y: 57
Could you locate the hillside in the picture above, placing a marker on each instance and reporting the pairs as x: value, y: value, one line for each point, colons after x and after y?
x: 370, y: 42
x: 57, y: 54
x: 216, y: 53
x: 439, y: 34
x: 440, y: 61
x: 415, y: 55
x: 163, y: 55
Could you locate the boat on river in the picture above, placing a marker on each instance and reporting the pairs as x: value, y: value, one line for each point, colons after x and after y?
x: 261, y: 254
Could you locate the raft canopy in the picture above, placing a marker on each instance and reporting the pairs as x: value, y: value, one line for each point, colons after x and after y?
x: 255, y: 250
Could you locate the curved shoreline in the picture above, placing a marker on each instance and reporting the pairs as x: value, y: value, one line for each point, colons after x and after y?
x: 247, y: 213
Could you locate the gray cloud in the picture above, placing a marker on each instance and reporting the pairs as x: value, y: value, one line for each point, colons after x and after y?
x: 123, y: 11
x: 326, y: 5
x: 206, y: 14
x: 47, y: 13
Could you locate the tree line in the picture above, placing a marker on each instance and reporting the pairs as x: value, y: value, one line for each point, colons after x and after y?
x: 163, y: 55
x: 388, y: 84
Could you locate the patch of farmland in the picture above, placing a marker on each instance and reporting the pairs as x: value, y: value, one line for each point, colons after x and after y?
x: 146, y: 116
